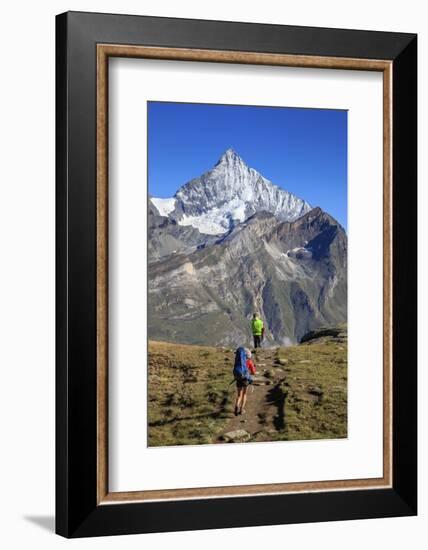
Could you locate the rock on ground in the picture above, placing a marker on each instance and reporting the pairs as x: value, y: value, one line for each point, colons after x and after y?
x: 237, y: 436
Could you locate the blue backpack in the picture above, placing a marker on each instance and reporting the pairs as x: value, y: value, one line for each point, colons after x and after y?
x: 240, y: 369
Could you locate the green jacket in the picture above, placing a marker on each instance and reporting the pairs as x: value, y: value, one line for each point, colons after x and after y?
x: 257, y: 327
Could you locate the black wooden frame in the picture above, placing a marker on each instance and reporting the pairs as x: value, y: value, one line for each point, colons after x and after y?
x: 77, y: 512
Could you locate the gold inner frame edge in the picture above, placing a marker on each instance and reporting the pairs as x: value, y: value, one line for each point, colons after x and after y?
x: 104, y: 51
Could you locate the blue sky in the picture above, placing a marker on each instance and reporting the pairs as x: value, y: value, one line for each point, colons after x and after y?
x: 302, y: 150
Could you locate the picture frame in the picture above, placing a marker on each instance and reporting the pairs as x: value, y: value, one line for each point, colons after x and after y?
x: 84, y: 44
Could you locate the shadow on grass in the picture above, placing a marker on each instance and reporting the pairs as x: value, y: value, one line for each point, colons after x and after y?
x: 219, y: 413
x: 216, y: 414
x: 276, y: 397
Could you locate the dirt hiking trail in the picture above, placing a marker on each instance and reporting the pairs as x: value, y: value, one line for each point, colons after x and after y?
x: 265, y: 409
x: 299, y: 393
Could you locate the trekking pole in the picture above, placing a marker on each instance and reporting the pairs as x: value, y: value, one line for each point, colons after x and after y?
x: 230, y: 383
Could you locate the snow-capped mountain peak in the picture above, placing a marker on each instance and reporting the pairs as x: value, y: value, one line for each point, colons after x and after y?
x: 228, y: 194
x: 230, y: 156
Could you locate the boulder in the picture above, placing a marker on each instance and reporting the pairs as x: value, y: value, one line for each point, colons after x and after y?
x: 257, y: 381
x: 269, y: 373
x: 338, y: 333
x: 236, y: 436
x: 315, y: 390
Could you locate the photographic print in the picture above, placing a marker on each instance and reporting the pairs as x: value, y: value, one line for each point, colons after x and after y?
x: 247, y: 274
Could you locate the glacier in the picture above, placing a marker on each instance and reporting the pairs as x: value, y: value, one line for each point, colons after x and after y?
x: 164, y: 206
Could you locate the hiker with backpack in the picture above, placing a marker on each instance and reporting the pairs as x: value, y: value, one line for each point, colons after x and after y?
x: 258, y: 330
x: 243, y: 370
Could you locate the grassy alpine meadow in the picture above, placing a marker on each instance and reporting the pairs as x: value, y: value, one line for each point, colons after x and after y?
x: 189, y: 396
x: 299, y: 393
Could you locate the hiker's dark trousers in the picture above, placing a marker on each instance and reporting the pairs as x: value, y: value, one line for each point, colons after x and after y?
x: 257, y: 341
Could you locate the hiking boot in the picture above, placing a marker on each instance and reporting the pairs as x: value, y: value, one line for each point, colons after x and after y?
x: 236, y: 411
x: 242, y: 411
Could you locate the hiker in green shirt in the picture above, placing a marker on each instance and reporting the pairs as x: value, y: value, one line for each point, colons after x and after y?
x: 258, y: 330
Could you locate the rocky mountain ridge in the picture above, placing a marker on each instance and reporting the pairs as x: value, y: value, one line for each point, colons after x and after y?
x: 293, y: 273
